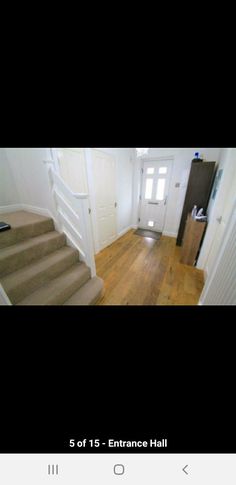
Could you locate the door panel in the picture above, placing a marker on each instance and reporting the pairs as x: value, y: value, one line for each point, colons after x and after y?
x: 154, y: 193
x: 105, y: 196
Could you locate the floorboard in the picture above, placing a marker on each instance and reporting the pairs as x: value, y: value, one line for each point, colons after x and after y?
x: 143, y: 271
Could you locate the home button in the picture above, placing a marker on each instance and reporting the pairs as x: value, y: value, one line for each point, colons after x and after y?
x: 119, y: 469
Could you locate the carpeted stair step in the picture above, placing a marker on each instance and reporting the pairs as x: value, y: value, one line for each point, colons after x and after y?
x: 60, y: 289
x: 23, y: 282
x: 19, y: 255
x: 23, y: 225
x: 88, y: 294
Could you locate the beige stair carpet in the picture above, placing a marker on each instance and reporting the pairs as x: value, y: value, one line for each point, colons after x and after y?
x: 38, y: 268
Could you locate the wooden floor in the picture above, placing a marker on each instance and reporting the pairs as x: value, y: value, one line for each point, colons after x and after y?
x: 142, y: 271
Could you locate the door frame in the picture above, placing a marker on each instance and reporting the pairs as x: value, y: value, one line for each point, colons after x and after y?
x: 154, y: 159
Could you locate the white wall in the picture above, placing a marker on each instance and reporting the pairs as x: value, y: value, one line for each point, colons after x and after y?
x: 180, y: 172
x: 220, y: 165
x: 30, y: 176
x: 72, y: 168
x: 136, y: 187
x: 124, y: 189
x: 8, y: 190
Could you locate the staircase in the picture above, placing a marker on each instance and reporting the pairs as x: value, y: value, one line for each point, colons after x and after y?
x: 38, y: 268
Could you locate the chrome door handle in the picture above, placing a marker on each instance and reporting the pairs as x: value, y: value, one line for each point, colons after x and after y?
x: 154, y: 203
x: 115, y: 204
x: 219, y: 219
x: 165, y: 200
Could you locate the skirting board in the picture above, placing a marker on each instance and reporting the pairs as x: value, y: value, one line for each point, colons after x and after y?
x: 170, y: 234
x: 10, y: 208
x: 25, y: 207
x: 121, y: 233
x: 37, y: 210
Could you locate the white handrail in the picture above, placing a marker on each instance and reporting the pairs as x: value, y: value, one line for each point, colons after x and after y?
x: 73, y: 208
x: 4, y: 300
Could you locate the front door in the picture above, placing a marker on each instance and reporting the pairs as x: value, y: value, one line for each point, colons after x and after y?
x: 154, y: 194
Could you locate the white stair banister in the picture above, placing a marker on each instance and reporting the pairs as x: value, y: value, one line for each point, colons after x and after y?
x: 88, y: 236
x: 74, y: 215
x: 4, y: 300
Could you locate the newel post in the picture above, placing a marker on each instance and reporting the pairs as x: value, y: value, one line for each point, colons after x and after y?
x: 4, y: 300
x: 88, y: 236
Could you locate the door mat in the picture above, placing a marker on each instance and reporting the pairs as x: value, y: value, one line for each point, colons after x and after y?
x: 146, y: 233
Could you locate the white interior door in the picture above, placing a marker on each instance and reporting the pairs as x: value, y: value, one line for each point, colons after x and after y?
x: 72, y: 166
x: 221, y: 222
x: 104, y: 176
x: 220, y: 287
x: 154, y: 194
x: 225, y: 203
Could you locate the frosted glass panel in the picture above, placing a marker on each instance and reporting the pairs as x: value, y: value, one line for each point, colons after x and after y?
x: 160, y: 189
x: 148, y: 190
x: 150, y: 170
x: 163, y: 170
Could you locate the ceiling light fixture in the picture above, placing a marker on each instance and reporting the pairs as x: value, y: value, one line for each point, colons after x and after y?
x: 142, y: 151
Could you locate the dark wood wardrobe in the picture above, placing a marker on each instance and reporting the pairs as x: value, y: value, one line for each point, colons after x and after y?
x: 199, y: 188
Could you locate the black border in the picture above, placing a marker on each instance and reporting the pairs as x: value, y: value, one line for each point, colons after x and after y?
x: 179, y: 441
x: 174, y: 365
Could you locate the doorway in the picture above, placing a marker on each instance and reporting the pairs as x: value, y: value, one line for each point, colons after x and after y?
x: 155, y: 183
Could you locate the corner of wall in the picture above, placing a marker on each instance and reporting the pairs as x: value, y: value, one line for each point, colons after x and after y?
x: 8, y: 188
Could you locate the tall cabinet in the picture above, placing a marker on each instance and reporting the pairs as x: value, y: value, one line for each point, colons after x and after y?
x: 199, y: 187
